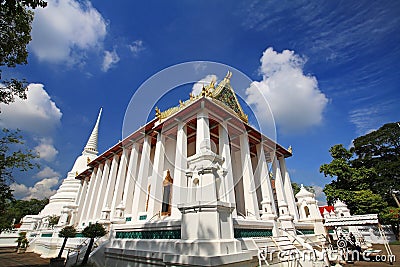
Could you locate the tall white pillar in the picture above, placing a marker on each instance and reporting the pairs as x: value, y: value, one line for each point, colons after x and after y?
x: 111, y: 182
x: 225, y: 151
x: 131, y: 178
x: 119, y: 184
x: 203, y: 142
x: 280, y: 195
x: 287, y: 184
x: 80, y: 201
x: 94, y: 193
x: 284, y: 216
x: 179, y: 187
x: 249, y: 189
x: 102, y: 190
x: 85, y: 205
x: 139, y: 198
x: 157, y: 177
x: 267, y: 203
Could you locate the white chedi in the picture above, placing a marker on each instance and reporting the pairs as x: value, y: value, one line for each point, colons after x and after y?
x: 62, y: 203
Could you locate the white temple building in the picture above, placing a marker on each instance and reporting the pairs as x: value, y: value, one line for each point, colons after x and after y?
x: 197, y: 185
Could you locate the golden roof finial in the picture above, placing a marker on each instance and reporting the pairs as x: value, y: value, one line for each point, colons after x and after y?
x: 212, y: 84
x: 203, y: 91
x: 290, y: 149
x: 228, y: 75
x: 158, y: 113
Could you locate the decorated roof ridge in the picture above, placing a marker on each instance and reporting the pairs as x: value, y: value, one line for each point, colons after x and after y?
x: 224, y: 93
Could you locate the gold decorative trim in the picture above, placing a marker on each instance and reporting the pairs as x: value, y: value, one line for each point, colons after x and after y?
x: 207, y: 91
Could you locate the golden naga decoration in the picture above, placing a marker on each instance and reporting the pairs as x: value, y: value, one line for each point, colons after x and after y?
x: 88, y: 160
x: 290, y: 149
x: 223, y: 93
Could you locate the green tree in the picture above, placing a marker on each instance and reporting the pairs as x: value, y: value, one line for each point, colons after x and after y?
x: 380, y: 150
x: 15, y: 210
x: 13, y: 157
x: 352, y: 184
x: 365, y: 175
x: 391, y: 216
x: 22, y: 240
x: 92, y: 231
x: 66, y: 232
x: 53, y: 220
x: 16, y: 18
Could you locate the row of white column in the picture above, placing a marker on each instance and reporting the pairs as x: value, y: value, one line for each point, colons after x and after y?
x: 123, y: 179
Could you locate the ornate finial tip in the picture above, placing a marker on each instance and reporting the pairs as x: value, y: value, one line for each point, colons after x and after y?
x: 228, y: 75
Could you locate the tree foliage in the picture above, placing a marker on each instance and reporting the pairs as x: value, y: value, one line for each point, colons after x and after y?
x: 53, y: 220
x: 13, y: 157
x: 92, y: 231
x: 366, y: 175
x: 15, y: 210
x: 66, y: 232
x: 16, y: 17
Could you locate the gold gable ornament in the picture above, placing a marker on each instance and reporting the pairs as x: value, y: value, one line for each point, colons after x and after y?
x: 223, y: 92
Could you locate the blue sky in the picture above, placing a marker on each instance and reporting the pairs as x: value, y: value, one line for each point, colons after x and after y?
x: 329, y: 69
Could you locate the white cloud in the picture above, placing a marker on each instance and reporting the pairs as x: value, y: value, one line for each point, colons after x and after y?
x: 319, y: 195
x: 109, y: 60
x: 46, y: 149
x: 42, y: 189
x: 196, y: 89
x: 295, y: 99
x: 136, y: 47
x: 47, y: 172
x: 64, y: 30
x: 37, y: 114
x: 366, y: 119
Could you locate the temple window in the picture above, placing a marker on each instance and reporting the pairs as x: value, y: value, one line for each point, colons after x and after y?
x: 167, y: 195
x: 307, y: 211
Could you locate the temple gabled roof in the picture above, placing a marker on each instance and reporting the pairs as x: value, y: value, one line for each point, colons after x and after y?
x: 224, y: 93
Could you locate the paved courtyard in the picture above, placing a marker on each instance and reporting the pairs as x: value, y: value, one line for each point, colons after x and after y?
x: 9, y: 258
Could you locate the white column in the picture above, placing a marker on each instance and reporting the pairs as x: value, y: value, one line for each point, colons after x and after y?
x: 249, y: 189
x: 282, y: 204
x: 157, y: 177
x: 131, y: 178
x: 94, y: 193
x: 119, y: 184
x: 111, y: 182
x: 80, y: 201
x: 84, y: 210
x: 268, y: 205
x: 139, y: 198
x: 203, y: 142
x: 225, y: 151
x: 98, y: 205
x: 179, y: 188
x: 288, y: 190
